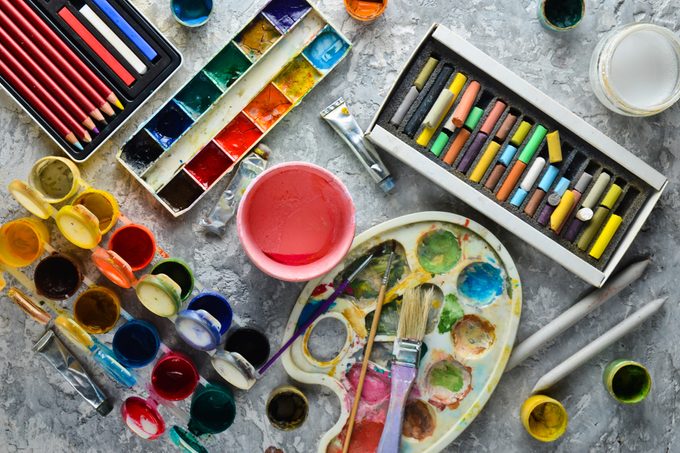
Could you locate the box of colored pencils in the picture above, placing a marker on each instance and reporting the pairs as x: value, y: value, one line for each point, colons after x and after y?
x: 80, y: 68
x: 233, y: 102
x: 490, y: 138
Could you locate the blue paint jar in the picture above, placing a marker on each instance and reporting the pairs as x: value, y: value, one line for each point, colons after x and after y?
x: 206, y: 318
x: 191, y: 13
x: 136, y: 343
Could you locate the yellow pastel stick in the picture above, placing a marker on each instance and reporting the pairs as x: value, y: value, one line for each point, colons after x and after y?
x: 554, y: 147
x: 562, y: 210
x: 605, y: 237
x: 455, y: 88
x: 520, y: 134
x: 485, y: 161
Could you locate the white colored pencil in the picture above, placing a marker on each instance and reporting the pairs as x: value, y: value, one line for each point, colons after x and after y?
x: 598, y: 345
x: 578, y: 311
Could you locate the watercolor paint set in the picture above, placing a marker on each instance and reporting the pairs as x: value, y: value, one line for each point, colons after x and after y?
x: 487, y: 136
x: 233, y: 102
x: 471, y: 327
x: 81, y: 68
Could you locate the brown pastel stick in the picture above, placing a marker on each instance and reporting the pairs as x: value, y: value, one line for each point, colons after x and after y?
x: 506, y: 127
x: 456, y: 146
x: 493, y: 117
x: 534, y: 202
x: 494, y: 177
x: 511, y: 181
x: 465, y: 105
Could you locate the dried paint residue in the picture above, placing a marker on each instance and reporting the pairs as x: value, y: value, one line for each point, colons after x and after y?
x: 438, y: 251
x: 297, y: 78
x: 448, y: 382
x: 285, y: 13
x: 181, y: 191
x: 327, y: 49
x: 259, y: 36
x: 238, y: 136
x: 481, y: 283
x: 376, y: 385
x: 452, y: 312
x: 355, y: 317
x: 227, y: 66
x: 473, y: 335
x: 419, y: 421
x: 547, y: 420
x: 209, y: 164
x: 267, y: 107
x: 366, y: 437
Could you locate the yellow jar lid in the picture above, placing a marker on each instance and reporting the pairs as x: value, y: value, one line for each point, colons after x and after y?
x: 159, y: 294
x: 30, y: 199
x: 79, y: 226
x: 102, y: 204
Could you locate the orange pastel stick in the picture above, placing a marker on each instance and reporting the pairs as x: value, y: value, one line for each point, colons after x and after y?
x: 456, y: 146
x: 511, y: 181
x: 465, y: 105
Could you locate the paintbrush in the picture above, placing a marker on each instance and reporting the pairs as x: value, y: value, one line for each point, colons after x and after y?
x: 410, y: 333
x: 389, y: 247
x: 321, y: 309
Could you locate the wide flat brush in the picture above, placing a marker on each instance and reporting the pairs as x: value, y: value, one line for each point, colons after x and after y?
x: 410, y: 333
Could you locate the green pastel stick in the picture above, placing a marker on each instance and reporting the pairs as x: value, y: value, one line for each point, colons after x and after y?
x: 439, y: 144
x: 534, y: 142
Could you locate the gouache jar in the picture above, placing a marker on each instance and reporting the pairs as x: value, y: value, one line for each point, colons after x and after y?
x: 287, y: 408
x: 97, y: 310
x: 212, y: 409
x: 136, y: 244
x: 57, y: 277
x: 191, y: 13
x: 365, y: 10
x: 55, y: 178
x: 142, y: 417
x: 136, y: 343
x: 206, y: 318
x: 180, y: 273
x: 102, y: 204
x: 22, y: 241
x: 544, y: 418
x: 628, y: 382
x: 635, y: 70
x: 174, y: 377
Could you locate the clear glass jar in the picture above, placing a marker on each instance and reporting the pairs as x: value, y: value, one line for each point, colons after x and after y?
x: 635, y: 70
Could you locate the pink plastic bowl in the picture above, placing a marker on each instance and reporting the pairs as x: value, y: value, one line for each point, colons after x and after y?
x: 296, y: 221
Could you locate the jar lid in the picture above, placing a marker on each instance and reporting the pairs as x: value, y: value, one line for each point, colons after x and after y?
x: 79, y: 226
x: 234, y: 369
x: 199, y: 329
x: 159, y: 294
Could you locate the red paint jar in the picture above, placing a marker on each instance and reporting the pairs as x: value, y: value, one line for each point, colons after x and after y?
x: 134, y: 243
x: 174, y: 377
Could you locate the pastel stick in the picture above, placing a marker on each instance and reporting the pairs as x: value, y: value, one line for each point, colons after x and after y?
x: 421, y: 111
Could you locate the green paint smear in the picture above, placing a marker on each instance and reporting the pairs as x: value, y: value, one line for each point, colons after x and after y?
x: 452, y: 312
x: 438, y: 251
x: 448, y: 376
x: 367, y: 284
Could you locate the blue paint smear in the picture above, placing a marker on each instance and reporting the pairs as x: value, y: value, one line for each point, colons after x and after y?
x: 326, y: 49
x: 481, y: 283
x: 285, y: 13
x: 169, y: 124
x: 308, y: 311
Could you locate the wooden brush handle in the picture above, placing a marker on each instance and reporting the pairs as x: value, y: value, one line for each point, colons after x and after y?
x: 402, y: 380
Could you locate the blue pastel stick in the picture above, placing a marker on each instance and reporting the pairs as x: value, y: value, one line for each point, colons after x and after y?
x: 126, y: 28
x: 548, y: 178
x: 507, y: 155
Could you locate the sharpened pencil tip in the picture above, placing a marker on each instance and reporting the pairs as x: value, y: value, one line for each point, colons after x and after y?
x: 119, y: 104
x: 95, y: 130
x: 78, y: 145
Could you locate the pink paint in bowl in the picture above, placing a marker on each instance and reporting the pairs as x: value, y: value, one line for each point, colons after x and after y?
x: 296, y: 221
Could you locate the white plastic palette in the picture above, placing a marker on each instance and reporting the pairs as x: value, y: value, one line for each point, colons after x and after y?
x: 470, y: 332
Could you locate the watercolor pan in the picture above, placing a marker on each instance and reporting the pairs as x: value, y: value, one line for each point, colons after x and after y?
x: 601, y: 154
x: 470, y: 331
x: 237, y: 98
x: 166, y: 62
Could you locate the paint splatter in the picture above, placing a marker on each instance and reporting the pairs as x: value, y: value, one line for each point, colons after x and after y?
x: 481, y: 283
x: 259, y: 36
x: 297, y: 78
x: 419, y: 422
x: 472, y: 336
x: 452, y: 312
x: 267, y: 107
x: 448, y: 382
x: 438, y: 251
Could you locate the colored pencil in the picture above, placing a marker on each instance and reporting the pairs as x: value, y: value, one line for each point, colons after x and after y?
x: 20, y: 72
x: 40, y: 106
x: 64, y: 57
x: 46, y: 80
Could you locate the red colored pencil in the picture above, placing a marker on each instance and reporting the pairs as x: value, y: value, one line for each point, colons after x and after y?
x: 59, y: 52
x: 42, y: 94
x: 46, y: 80
x: 40, y: 106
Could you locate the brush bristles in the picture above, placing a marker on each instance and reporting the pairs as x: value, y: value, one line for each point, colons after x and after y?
x: 415, y: 307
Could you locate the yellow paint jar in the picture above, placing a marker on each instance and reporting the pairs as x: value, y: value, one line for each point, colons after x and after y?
x: 97, y: 310
x: 102, y: 204
x: 22, y: 241
x: 544, y: 418
x: 55, y: 178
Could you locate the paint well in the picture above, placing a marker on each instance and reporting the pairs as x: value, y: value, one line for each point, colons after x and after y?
x: 181, y: 192
x: 141, y: 151
x: 238, y: 136
x: 179, y: 272
x: 212, y: 410
x: 326, y: 339
x: 419, y: 420
x: 481, y: 283
x: 142, y: 418
x: 209, y: 164
x: 287, y: 408
x: 227, y: 66
x: 297, y: 78
x: 251, y: 344
x: 452, y: 312
x: 267, y: 107
x: 168, y: 124
x: 174, y: 377
x: 57, y: 277
x: 376, y: 385
x: 326, y: 50
x: 257, y: 37
x: 473, y: 336
x: 284, y: 14
x: 97, y: 310
x: 448, y: 382
x: 198, y: 95
x: 135, y: 244
x: 136, y: 343
x: 438, y: 251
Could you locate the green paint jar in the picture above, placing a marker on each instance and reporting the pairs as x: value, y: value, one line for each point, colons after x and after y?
x: 561, y: 15
x: 212, y: 409
x: 628, y: 382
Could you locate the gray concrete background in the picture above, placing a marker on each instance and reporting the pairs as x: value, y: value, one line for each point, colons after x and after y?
x: 38, y: 412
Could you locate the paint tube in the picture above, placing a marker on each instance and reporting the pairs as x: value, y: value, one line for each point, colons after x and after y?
x: 224, y: 210
x: 339, y: 117
x: 70, y: 368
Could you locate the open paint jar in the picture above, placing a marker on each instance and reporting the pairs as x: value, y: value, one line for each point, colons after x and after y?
x: 544, y: 418
x: 135, y: 244
x: 55, y: 178
x: 136, y: 343
x: 22, y: 241
x: 191, y: 13
x: 635, y: 69
x: 365, y: 10
x: 57, y: 277
x: 174, y: 377
x: 204, y: 321
x: 142, y: 417
x: 102, y: 204
x: 296, y: 221
x: 245, y: 350
x: 212, y: 409
x: 97, y: 310
x: 179, y: 272
x: 628, y: 382
x: 561, y: 15
x: 287, y: 408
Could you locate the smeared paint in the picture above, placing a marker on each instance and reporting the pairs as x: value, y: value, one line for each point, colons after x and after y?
x: 267, y: 107
x: 297, y: 78
x: 326, y: 50
x: 174, y: 377
x: 168, y: 124
x: 481, y: 283
x: 452, y: 312
x: 389, y: 319
x: 308, y: 310
x: 376, y: 385
x: 135, y: 244
x: 259, y: 36
x: 181, y: 192
x: 227, y: 66
x: 209, y: 164
x: 419, y: 421
x: 141, y: 151
x: 438, y: 251
x: 57, y: 277
x: 97, y: 310
x: 367, y: 284
x: 472, y: 336
x: 448, y: 382
x: 365, y: 437
x: 198, y: 95
x: 356, y: 320
x: 287, y: 408
x: 238, y: 136
x: 285, y: 13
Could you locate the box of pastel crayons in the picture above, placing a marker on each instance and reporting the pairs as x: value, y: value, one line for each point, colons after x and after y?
x: 490, y: 138
x: 242, y: 93
x: 81, y: 68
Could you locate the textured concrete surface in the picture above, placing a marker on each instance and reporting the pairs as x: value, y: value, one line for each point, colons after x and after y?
x: 38, y: 412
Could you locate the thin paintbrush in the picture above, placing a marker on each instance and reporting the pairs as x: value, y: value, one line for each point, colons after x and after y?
x: 369, y: 345
x: 410, y: 334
